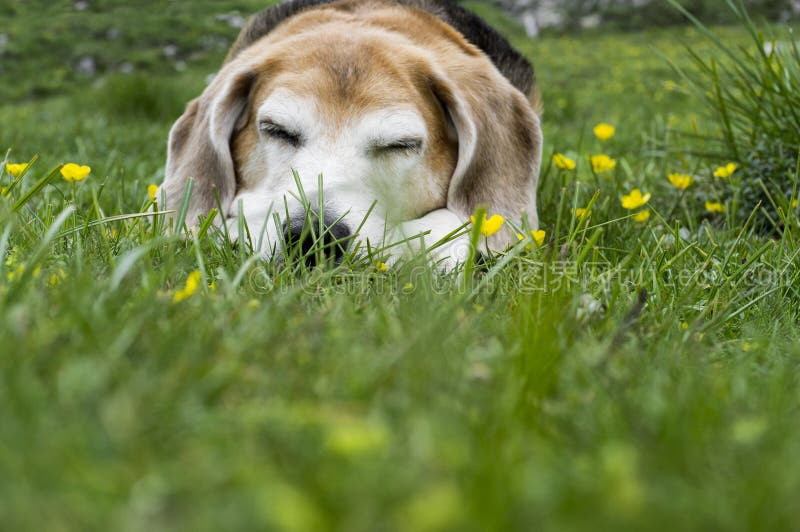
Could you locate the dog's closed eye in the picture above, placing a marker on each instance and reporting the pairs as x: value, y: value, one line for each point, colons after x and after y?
x: 403, y: 145
x: 280, y: 133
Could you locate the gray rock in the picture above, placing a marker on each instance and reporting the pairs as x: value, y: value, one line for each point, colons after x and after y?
x: 214, y: 43
x: 588, y: 308
x: 234, y: 20
x: 87, y: 66
x: 535, y: 15
x: 591, y: 21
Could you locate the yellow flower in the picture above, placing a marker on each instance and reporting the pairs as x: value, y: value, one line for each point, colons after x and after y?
x: 152, y: 190
x: 381, y: 266
x: 680, y: 181
x: 16, y: 170
x: 602, y: 164
x: 56, y: 277
x: 635, y: 199
x: 538, y: 237
x: 581, y: 213
x: 715, y: 206
x: 15, y: 273
x: 794, y: 204
x: 726, y: 171
x: 192, y: 283
x: 73, y: 172
x: 563, y: 162
x: 642, y: 216
x: 491, y: 225
x: 604, y: 131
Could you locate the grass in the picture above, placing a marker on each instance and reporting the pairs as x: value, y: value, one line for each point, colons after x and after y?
x: 623, y: 375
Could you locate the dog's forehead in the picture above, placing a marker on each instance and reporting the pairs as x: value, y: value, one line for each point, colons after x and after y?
x: 345, y: 74
x: 303, y: 112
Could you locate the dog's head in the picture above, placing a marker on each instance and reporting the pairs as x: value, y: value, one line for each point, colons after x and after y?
x: 391, y: 106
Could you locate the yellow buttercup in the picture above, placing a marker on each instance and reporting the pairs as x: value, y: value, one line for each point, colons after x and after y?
x: 602, y: 163
x: 73, y: 172
x: 490, y: 225
x: 635, y: 199
x: 16, y: 170
x: 563, y: 162
x: 604, y: 131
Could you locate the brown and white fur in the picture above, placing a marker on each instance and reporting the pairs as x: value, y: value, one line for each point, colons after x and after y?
x: 388, y: 100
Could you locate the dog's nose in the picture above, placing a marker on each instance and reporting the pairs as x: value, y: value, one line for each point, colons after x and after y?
x: 311, y: 241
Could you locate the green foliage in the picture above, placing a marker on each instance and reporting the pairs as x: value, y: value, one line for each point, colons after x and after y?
x: 48, y: 39
x: 347, y: 398
x: 753, y: 95
x: 141, y: 96
x: 769, y: 181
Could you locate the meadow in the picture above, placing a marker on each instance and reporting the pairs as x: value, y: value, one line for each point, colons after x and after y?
x: 629, y: 371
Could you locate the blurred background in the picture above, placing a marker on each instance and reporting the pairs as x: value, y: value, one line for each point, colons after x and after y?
x: 570, y: 15
x: 46, y: 46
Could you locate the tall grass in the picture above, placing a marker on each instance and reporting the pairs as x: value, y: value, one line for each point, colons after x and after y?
x: 752, y: 94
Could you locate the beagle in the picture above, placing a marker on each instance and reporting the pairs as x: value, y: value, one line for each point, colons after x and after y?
x: 414, y: 112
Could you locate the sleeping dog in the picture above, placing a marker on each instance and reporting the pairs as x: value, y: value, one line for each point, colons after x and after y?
x: 414, y: 111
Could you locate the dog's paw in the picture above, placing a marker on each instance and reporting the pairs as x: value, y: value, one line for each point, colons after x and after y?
x: 451, y: 255
x: 434, y: 235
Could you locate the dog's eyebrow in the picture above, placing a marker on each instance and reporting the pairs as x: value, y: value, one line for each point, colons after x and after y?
x: 393, y: 123
x: 285, y: 109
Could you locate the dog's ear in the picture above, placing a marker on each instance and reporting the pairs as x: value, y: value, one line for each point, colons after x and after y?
x: 199, y: 144
x: 499, y: 143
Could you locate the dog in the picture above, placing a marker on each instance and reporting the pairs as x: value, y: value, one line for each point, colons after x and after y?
x: 396, y: 118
